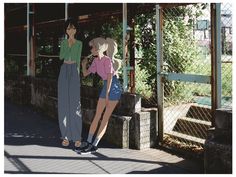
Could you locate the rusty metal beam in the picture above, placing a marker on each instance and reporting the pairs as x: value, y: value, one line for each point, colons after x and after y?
x: 132, y: 50
x: 32, y: 41
x: 160, y: 87
x: 215, y: 59
x: 125, y: 79
x: 28, y: 39
x: 20, y: 28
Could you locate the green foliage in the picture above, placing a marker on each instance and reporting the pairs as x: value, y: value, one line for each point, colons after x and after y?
x: 114, y: 30
x: 10, y: 65
x: 179, y: 47
x: 146, y: 42
x: 15, y: 66
x: 179, y: 53
x: 141, y: 87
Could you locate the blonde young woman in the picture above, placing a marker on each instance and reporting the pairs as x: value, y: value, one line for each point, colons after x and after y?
x: 111, y: 91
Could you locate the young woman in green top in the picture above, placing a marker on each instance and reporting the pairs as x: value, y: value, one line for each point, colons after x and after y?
x: 69, y: 107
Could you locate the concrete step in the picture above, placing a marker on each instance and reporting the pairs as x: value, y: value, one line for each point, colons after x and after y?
x: 193, y: 127
x: 186, y: 138
x: 223, y: 119
x: 201, y: 113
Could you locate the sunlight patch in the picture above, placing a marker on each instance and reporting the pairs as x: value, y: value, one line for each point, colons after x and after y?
x: 64, y: 121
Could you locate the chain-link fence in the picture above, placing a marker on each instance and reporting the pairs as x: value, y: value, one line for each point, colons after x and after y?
x: 226, y: 60
x: 146, y: 56
x: 186, y: 53
x: 186, y: 50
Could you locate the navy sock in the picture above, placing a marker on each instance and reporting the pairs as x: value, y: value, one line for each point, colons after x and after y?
x: 90, y: 137
x: 96, y: 141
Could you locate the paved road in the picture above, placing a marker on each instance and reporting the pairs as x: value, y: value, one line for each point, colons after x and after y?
x: 32, y: 145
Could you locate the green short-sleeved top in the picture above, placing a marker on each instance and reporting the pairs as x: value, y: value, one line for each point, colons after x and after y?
x: 72, y: 53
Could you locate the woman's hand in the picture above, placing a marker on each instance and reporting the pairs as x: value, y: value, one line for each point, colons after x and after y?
x: 109, y: 80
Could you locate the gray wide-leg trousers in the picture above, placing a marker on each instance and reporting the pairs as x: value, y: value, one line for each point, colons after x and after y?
x: 69, y: 106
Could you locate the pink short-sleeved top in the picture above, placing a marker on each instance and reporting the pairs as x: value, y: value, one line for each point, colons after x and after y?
x: 102, y: 66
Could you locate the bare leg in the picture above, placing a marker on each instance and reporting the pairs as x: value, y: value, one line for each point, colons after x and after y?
x: 109, y: 109
x: 102, y: 129
x: 100, y: 107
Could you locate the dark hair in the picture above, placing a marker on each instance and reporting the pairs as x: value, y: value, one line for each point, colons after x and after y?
x: 71, y: 21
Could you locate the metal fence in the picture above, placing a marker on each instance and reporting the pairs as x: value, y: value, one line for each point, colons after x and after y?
x: 227, y: 59
x: 202, y: 38
x: 186, y: 50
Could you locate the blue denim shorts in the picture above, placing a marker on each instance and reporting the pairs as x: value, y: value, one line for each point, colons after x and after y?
x: 115, y: 91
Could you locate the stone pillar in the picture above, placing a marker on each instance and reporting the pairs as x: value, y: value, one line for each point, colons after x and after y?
x: 218, y: 145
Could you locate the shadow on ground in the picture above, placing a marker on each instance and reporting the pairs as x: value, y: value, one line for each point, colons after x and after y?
x: 24, y: 126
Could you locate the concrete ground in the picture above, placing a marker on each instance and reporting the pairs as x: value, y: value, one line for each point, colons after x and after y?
x: 32, y: 146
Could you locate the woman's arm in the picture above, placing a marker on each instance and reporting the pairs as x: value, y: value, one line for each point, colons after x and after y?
x: 84, y: 67
x: 109, y: 80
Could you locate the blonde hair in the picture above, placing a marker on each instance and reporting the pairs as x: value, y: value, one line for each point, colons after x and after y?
x: 99, y: 43
x: 111, y: 51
